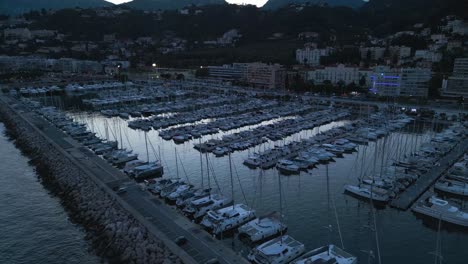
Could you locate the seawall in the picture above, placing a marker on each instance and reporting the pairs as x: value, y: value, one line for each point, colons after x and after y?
x: 115, y: 233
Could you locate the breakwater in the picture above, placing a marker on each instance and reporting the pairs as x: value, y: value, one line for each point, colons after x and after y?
x: 116, y: 234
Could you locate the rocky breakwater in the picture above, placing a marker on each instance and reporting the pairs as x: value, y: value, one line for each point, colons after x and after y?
x: 114, y: 233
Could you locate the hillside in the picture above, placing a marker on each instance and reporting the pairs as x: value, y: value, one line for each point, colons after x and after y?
x: 170, y: 4
x: 275, y: 4
x: 15, y: 7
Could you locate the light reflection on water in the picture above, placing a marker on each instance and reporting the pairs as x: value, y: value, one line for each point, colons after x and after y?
x: 307, y: 212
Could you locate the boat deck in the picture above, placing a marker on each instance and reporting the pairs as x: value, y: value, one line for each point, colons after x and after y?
x: 425, y: 181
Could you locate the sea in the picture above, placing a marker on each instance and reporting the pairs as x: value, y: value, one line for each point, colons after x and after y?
x: 34, y: 226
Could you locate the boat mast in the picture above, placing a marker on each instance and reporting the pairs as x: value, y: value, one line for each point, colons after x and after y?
x: 201, y: 166
x: 146, y: 145
x: 437, y: 253
x: 328, y: 210
x: 208, y: 174
x: 232, y: 180
x: 280, y: 203
x: 177, y: 163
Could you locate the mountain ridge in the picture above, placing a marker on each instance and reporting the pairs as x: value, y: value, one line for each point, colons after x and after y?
x: 16, y: 7
x: 276, y: 4
x: 169, y: 4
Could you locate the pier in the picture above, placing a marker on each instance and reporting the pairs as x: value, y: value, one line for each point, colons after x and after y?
x: 406, y: 199
x: 159, y: 219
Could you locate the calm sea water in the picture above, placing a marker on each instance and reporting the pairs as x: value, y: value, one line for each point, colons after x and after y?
x: 34, y: 227
x: 308, y: 207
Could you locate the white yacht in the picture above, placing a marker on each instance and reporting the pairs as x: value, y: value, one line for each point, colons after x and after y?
x: 367, y: 193
x: 221, y: 151
x: 253, y: 160
x: 227, y: 218
x: 452, y: 187
x: 170, y: 188
x: 172, y: 197
x: 262, y: 228
x: 198, y: 208
x: 280, y: 250
x: 187, y: 197
x: 441, y: 209
x: 330, y: 254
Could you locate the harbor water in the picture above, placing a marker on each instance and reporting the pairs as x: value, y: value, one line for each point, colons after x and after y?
x: 312, y: 201
x: 34, y: 226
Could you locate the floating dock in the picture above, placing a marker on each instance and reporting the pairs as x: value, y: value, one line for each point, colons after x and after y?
x: 408, y: 197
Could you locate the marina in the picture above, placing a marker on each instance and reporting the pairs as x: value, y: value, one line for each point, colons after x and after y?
x: 202, y: 176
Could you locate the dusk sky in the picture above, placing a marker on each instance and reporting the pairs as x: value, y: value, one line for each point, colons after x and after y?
x: 254, y: 2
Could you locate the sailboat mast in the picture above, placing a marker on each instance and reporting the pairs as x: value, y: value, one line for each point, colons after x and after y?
x: 232, y: 180
x: 177, y: 163
x: 146, y: 145
x: 201, y: 166
x: 280, y: 203
x: 208, y: 173
x: 383, y: 156
x: 328, y: 210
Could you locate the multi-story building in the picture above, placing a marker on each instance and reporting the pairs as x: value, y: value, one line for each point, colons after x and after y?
x: 338, y: 73
x: 43, y: 64
x: 267, y: 76
x: 311, y: 56
x: 460, y: 67
x: 394, y: 82
x: 457, y: 84
x: 385, y: 81
x: 427, y: 55
x: 256, y: 74
x: 414, y: 82
x: 235, y: 71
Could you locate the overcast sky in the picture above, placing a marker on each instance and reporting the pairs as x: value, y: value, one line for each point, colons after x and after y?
x: 254, y: 2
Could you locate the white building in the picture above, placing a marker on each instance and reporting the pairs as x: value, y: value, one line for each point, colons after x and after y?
x: 256, y: 74
x: 428, y: 55
x: 457, y: 27
x: 414, y: 82
x: 17, y: 33
x: 457, y: 84
x: 311, y: 56
x: 335, y: 74
x: 235, y: 71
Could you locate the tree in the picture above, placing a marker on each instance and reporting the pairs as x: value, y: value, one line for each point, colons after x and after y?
x: 434, y: 85
x: 166, y: 75
x: 202, y: 72
x: 362, y: 81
